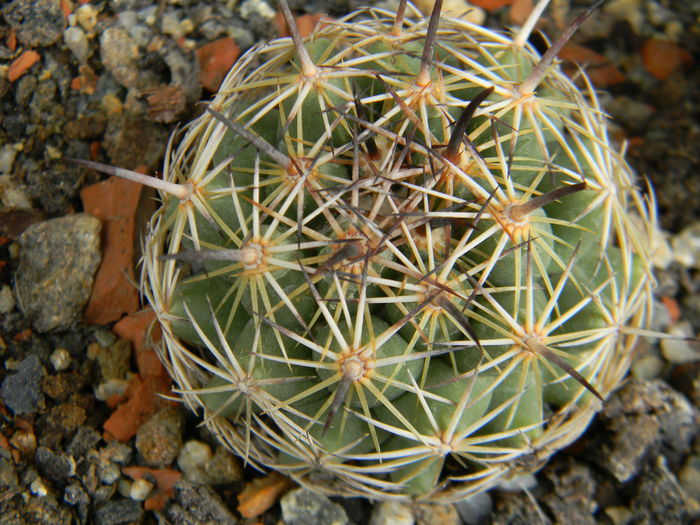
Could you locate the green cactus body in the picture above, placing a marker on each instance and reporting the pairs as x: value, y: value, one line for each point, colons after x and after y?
x: 355, y: 294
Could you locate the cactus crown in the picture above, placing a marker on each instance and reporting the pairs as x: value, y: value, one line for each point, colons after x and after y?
x: 402, y: 257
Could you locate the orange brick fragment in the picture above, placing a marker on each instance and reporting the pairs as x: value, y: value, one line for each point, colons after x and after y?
x: 21, y: 64
x: 12, y: 40
x: 305, y: 24
x: 134, y: 328
x: 115, y: 202
x: 601, y: 72
x: 165, y: 483
x: 490, y: 5
x: 662, y: 58
x: 519, y: 11
x: 215, y: 60
x: 674, y: 311
x: 261, y: 494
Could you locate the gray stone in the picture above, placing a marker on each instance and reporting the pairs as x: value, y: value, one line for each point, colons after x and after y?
x: 475, y: 509
x: 21, y: 392
x: 116, y: 512
x: 36, y: 22
x: 7, y: 300
x: 303, y: 506
x: 662, y: 419
x: 58, y: 260
x: 659, y: 498
x: 194, y: 504
x: 55, y: 466
x: 436, y: 514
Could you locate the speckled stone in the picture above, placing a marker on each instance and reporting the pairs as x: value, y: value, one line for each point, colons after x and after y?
x: 20, y: 392
x: 58, y: 260
x: 392, y: 513
x: 303, y: 506
x: 436, y: 514
x: 120, y: 56
x: 36, y: 22
x: 194, y: 504
x: 659, y: 498
x: 159, y: 439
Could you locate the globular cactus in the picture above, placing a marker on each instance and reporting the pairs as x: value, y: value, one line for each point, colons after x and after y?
x: 400, y: 258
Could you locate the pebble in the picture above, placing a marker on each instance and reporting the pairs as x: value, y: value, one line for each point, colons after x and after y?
x: 113, y: 387
x: 648, y: 366
x: 8, y: 154
x: 659, y: 416
x: 256, y: 7
x: 8, y: 474
x: 37, y: 23
x: 392, y: 513
x: 119, y: 511
x: 108, y: 472
x: 475, y: 509
x: 58, y: 260
x: 38, y: 488
x: 303, y: 506
x: 200, y: 465
x: 120, y: 56
x: 13, y: 194
x: 7, y: 300
x: 436, y: 514
x: 60, y: 359
x: 131, y: 141
x: 86, y: 16
x: 84, y: 440
x: 21, y: 391
x: 680, y: 350
x: 658, y: 497
x: 115, y: 360
x: 56, y: 466
x: 194, y: 504
x: 159, y: 439
x: 76, y: 41
x: 689, y: 477
x: 686, y: 246
x: 140, y: 489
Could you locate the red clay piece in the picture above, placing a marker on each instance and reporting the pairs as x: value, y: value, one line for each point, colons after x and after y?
x: 22, y: 64
x: 215, y: 60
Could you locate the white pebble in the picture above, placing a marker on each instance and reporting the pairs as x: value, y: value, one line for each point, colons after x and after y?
x: 7, y: 300
x: 60, y: 359
x: 86, y: 16
x: 140, y: 489
x: 38, y: 488
x: 193, y: 459
x: 686, y: 246
x: 76, y: 41
x: 475, y: 509
x: 680, y: 350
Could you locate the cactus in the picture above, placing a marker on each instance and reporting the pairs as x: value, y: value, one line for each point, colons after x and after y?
x: 400, y: 258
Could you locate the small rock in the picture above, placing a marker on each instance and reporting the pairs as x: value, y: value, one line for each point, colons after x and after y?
x: 159, y: 439
x: 113, y: 387
x: 114, y: 360
x: 660, y: 417
x: 689, y: 477
x: 20, y: 392
x: 120, y: 56
x: 60, y: 359
x: 140, y: 489
x: 193, y: 459
x: 25, y: 442
x: 194, y: 504
x: 58, y: 260
x: 7, y: 300
x: 36, y: 22
x: 56, y: 466
x: 8, y: 153
x: 659, y: 498
x: 76, y: 41
x: 223, y: 468
x: 436, y: 514
x: 259, y: 8
x: 475, y: 509
x: 647, y: 367
x: 62, y: 386
x: 86, y: 16
x: 117, y: 512
x: 572, y: 499
x: 108, y: 472
x: 686, y: 246
x: 84, y: 440
x: 8, y: 474
x: 392, y: 513
x: 303, y: 506
x: 680, y: 350
x: 38, y: 488
x: 131, y: 142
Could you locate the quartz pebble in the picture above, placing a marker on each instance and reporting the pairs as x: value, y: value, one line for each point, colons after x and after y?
x: 60, y: 359
x: 680, y: 350
x: 686, y: 246
x: 76, y: 41
x: 7, y: 300
x: 140, y: 489
x: 474, y: 509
